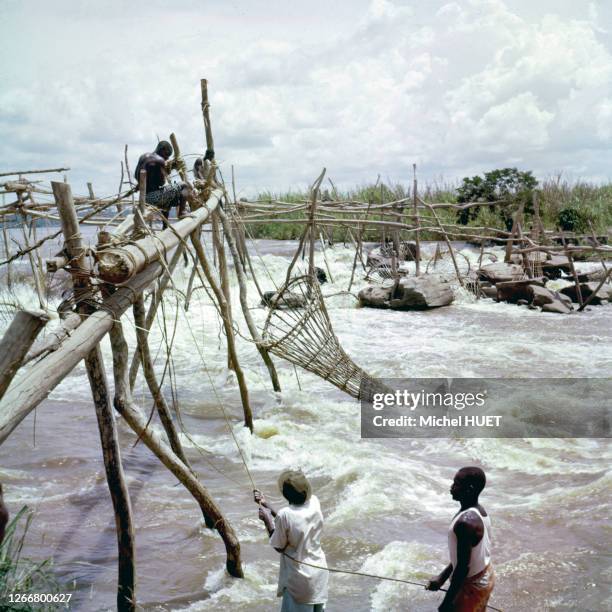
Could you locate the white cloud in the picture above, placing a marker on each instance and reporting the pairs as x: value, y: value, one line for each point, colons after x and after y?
x: 360, y: 88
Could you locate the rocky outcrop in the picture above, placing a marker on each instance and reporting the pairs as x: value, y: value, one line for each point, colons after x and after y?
x: 414, y: 293
x: 587, y: 289
x: 500, y: 272
x: 513, y: 291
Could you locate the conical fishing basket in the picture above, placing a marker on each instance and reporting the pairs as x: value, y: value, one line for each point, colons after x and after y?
x: 303, y: 335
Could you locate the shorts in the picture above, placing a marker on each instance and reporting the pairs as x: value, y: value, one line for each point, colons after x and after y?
x: 288, y: 604
x: 165, y: 198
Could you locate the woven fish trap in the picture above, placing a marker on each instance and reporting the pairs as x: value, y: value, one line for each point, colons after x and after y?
x: 303, y: 335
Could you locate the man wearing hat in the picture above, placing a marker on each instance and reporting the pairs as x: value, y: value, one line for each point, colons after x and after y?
x: 295, y: 532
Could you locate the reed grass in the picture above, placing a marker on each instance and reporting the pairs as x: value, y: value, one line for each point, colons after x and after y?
x: 19, y: 574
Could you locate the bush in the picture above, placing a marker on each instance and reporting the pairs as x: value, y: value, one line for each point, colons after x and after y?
x: 573, y: 220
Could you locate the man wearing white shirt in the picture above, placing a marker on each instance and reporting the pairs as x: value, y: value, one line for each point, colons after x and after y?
x: 295, y: 532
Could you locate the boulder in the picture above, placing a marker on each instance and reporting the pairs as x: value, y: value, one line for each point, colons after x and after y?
x: 421, y: 292
x: 586, y: 290
x: 489, y: 291
x: 512, y: 291
x: 376, y: 296
x: 499, y: 272
x: 555, y: 266
x: 593, y: 276
x: 541, y: 296
x: 557, y: 306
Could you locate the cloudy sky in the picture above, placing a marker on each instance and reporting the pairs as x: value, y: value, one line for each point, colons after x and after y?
x: 363, y: 87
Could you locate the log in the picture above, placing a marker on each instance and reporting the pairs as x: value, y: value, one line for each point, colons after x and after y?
x: 28, y: 392
x: 54, y: 339
x: 16, y: 342
x: 152, y: 439
x: 118, y: 265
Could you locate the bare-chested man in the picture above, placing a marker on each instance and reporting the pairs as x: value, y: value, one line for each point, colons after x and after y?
x: 159, y: 193
x: 469, y: 544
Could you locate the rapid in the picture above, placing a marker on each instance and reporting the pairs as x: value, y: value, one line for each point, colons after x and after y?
x: 386, y: 502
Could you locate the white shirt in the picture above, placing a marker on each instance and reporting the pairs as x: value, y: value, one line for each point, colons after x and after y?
x: 480, y: 556
x: 297, y: 531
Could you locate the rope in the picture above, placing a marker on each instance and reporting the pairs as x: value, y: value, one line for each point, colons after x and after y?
x: 335, y: 570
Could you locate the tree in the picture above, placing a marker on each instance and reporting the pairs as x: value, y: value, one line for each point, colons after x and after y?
x: 507, y: 184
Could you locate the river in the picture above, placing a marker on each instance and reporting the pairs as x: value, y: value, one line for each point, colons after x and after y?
x: 386, y: 502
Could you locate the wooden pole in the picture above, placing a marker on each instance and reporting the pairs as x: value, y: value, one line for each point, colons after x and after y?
x: 206, y: 115
x: 147, y: 367
x: 140, y: 226
x: 154, y: 305
x: 245, y: 307
x: 7, y: 252
x: 137, y: 421
x: 417, y: 238
x: 229, y: 330
x: 108, y: 433
x: 223, y: 275
x: 313, y: 223
x: 16, y: 342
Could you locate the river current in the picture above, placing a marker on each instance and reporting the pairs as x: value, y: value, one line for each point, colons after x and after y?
x: 386, y: 502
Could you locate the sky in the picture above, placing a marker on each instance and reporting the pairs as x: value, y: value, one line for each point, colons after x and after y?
x: 361, y: 87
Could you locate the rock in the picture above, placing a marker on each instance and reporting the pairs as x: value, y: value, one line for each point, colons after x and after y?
x: 555, y: 266
x: 541, y: 296
x: 382, y: 255
x: 489, y: 291
x: 414, y: 293
x: 586, y: 290
x: 593, y: 276
x: 376, y: 296
x: 512, y: 291
x: 287, y: 301
x: 557, y: 306
x: 421, y: 292
x: 523, y: 302
x: 500, y: 272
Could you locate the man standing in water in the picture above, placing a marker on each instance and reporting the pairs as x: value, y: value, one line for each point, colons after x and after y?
x: 469, y: 547
x: 295, y: 532
x: 159, y: 194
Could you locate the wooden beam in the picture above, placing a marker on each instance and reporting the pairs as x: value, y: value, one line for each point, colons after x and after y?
x: 16, y: 342
x: 43, y: 377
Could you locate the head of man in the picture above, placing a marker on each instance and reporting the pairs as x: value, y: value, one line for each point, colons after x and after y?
x: 294, y: 486
x: 164, y: 149
x: 468, y: 484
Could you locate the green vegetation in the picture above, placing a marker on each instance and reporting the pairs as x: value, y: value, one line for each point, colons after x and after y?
x: 562, y: 205
x: 22, y: 575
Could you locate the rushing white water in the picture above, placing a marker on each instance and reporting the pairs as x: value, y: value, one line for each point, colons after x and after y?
x: 386, y: 502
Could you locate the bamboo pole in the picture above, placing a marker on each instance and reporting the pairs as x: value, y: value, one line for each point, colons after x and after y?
x: 229, y: 331
x: 245, y: 307
x: 16, y: 342
x: 108, y: 433
x: 156, y: 444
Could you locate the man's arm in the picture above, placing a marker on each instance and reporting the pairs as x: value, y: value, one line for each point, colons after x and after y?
x: 435, y: 584
x: 468, y: 531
